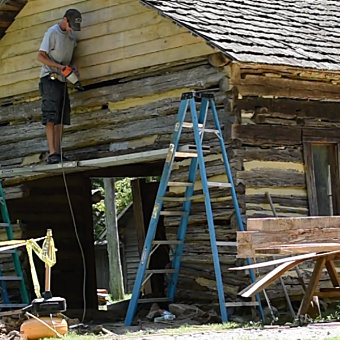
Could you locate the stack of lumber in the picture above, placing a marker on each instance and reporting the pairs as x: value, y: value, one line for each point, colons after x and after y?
x: 294, y: 235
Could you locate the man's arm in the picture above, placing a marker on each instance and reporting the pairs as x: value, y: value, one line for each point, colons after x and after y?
x: 43, y: 58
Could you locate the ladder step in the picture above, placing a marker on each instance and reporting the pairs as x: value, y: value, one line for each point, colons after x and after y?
x: 226, y: 243
x: 191, y: 125
x: 242, y: 304
x: 180, y: 184
x: 186, y: 154
x: 150, y: 300
x: 180, y: 199
x: 219, y: 184
x: 211, y: 131
x: 161, y: 271
x: 173, y: 213
x: 10, y: 278
x: 190, y: 148
x: 167, y: 242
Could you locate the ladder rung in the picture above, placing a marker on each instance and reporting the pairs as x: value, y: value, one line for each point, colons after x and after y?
x: 211, y: 130
x: 180, y: 199
x: 161, y: 271
x: 190, y: 148
x: 186, y: 154
x: 12, y: 305
x: 167, y: 242
x: 219, y: 184
x: 4, y: 225
x: 149, y: 300
x: 242, y: 304
x: 10, y: 278
x: 200, y: 126
x: 180, y: 184
x: 226, y: 243
x: 190, y: 125
x: 173, y: 213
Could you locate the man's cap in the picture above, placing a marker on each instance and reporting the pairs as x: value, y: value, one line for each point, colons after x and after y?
x: 74, y: 18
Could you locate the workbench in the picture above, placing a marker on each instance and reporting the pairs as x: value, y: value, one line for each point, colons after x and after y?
x: 321, y: 260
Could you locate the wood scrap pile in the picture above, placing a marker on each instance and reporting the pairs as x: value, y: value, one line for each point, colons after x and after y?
x: 287, y: 236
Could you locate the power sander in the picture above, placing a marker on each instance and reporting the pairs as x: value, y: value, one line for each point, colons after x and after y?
x: 71, y: 76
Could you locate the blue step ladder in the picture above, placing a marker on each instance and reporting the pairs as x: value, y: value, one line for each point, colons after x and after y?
x: 197, y: 125
x: 6, y: 303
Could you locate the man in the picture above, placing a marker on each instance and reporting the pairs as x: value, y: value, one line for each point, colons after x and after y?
x: 56, y: 52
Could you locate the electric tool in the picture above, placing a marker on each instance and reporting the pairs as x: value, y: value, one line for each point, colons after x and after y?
x: 71, y: 76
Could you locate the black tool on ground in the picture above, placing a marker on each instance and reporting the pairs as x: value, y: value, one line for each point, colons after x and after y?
x: 48, y: 304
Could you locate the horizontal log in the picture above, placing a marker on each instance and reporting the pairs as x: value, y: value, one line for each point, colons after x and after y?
x: 273, y: 177
x: 251, y: 82
x: 120, y: 92
x: 267, y: 135
x: 287, y: 154
x: 290, y: 108
x: 276, y: 224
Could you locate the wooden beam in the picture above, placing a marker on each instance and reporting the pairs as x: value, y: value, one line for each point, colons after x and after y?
x: 303, y: 257
x: 269, y: 278
x: 313, y: 283
x: 275, y: 224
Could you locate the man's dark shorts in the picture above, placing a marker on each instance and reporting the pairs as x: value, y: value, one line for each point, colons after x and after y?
x: 55, y: 102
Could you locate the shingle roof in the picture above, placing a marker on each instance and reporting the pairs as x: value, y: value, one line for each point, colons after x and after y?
x: 303, y: 33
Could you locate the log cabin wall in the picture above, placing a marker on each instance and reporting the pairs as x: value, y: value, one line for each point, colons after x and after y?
x: 129, y: 57
x: 278, y: 111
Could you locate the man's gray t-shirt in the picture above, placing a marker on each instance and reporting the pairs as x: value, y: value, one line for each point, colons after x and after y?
x: 59, y: 46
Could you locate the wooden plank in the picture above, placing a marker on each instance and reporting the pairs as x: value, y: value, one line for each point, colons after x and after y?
x: 56, y: 13
x: 276, y: 224
x: 269, y: 278
x: 99, y: 21
x: 111, y: 69
x: 303, y: 257
x: 110, y: 47
x: 328, y: 294
x: 289, y: 249
x: 32, y: 6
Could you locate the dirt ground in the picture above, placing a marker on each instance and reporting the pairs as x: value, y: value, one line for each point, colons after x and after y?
x: 190, y: 322
x: 148, y: 331
x: 180, y: 329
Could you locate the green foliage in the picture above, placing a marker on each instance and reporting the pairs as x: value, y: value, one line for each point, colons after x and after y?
x: 123, y: 194
x: 123, y: 199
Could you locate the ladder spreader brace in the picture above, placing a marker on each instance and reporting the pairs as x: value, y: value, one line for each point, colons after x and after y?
x: 197, y: 125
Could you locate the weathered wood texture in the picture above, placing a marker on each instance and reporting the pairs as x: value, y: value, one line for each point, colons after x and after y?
x: 132, y: 116
x: 119, y: 37
x: 276, y: 110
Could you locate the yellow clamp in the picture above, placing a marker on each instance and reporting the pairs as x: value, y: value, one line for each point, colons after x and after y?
x: 46, y: 253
